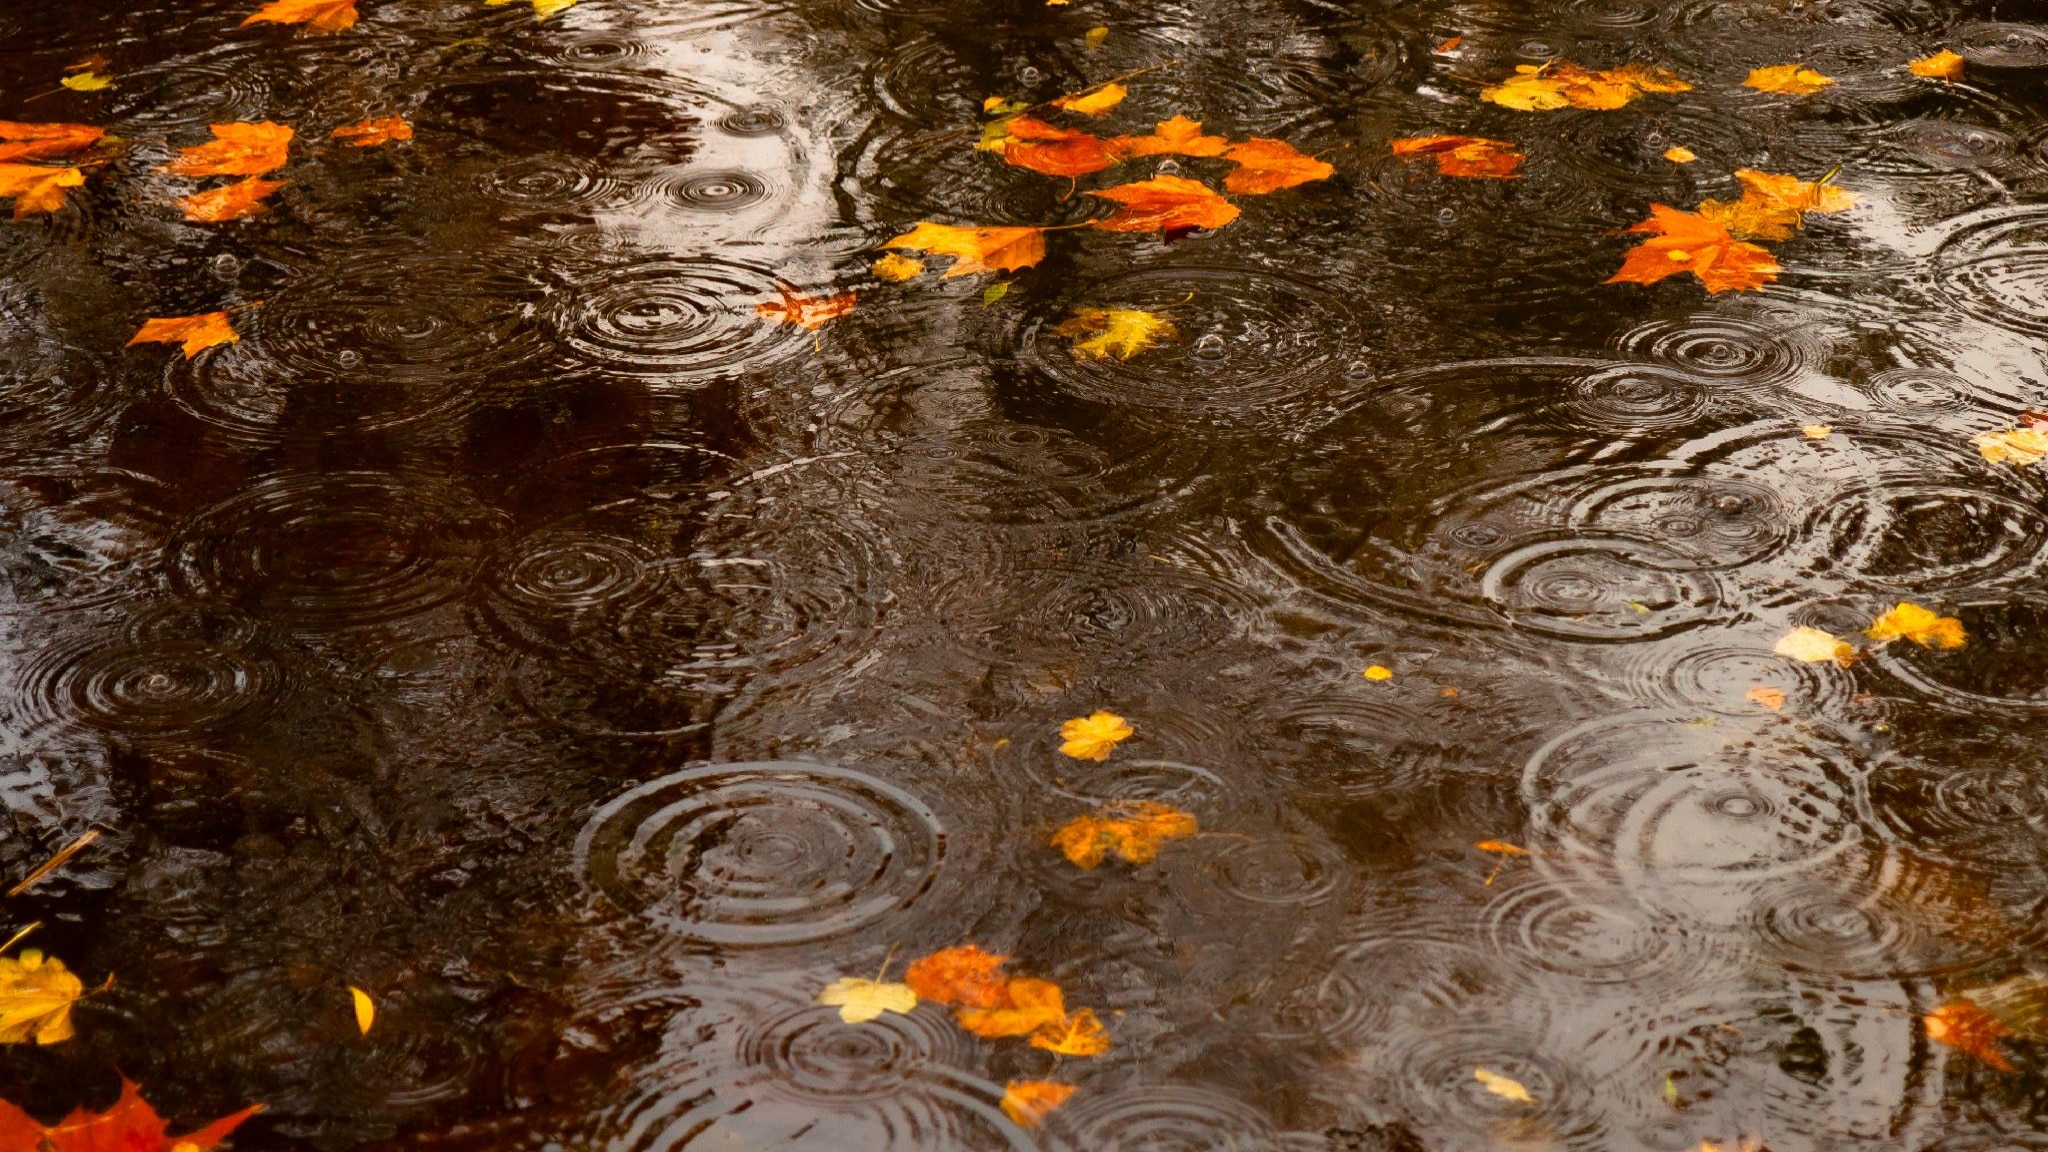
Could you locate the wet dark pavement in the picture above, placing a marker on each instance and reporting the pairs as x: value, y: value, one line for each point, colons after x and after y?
x: 515, y: 625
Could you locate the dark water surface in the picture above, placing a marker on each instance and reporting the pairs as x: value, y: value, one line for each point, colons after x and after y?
x: 514, y: 625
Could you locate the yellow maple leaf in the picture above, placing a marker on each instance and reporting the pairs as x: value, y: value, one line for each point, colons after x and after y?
x: 1815, y: 646
x: 35, y: 189
x: 976, y: 249
x: 1080, y: 1034
x: 860, y: 999
x: 36, y: 994
x: 1093, y: 736
x: 1943, y: 65
x: 1100, y: 333
x: 196, y: 333
x: 1563, y: 84
x: 1772, y: 204
x: 2014, y: 446
x: 1132, y: 831
x: 1922, y: 627
x: 542, y: 9
x: 1787, y: 79
x: 86, y: 81
x: 1502, y: 1086
x: 1095, y: 101
x: 1028, y: 1102
x: 896, y: 268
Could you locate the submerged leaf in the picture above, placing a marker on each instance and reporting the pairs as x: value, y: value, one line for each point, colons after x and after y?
x: 1471, y: 156
x: 1772, y: 205
x: 1922, y: 627
x: 1093, y: 736
x: 1814, y: 646
x: 1689, y: 242
x: 237, y: 201
x: 976, y: 249
x: 1943, y: 65
x: 1964, y: 1026
x: 377, y: 130
x: 318, y: 15
x: 896, y: 268
x: 1132, y: 831
x: 37, y: 190
x: 860, y: 999
x: 86, y: 81
x: 960, y: 976
x: 239, y: 149
x: 1502, y: 1086
x: 1562, y: 84
x: 20, y: 141
x: 196, y: 333
x: 1266, y: 165
x: 131, y: 1125
x: 1100, y: 333
x: 1169, y: 203
x: 1028, y: 1102
x: 1080, y: 1034
x: 813, y: 312
x: 36, y: 994
x: 1095, y: 101
x: 1787, y: 79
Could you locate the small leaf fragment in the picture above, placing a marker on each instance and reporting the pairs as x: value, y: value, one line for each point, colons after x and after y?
x: 1502, y: 1086
x: 860, y: 1000
x: 1964, y: 1026
x: 896, y: 268
x: 1094, y: 736
x: 1680, y: 154
x: 1787, y: 80
x: 1767, y: 696
x: 1028, y: 1102
x: 542, y: 9
x: 1501, y: 848
x: 1813, y: 646
x: 1378, y: 672
x: 812, y: 312
x: 994, y: 292
x: 1096, y: 35
x: 1943, y: 65
x: 1100, y: 333
x: 1817, y: 431
x: 1448, y: 46
x: 196, y: 333
x: 1095, y: 101
x: 366, y: 1008
x: 1922, y: 627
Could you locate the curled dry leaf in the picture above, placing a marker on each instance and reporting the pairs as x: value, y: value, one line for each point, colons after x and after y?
x: 1922, y: 627
x: 239, y: 149
x: 1562, y: 84
x: 1772, y: 205
x: 1266, y: 165
x: 196, y: 333
x: 813, y: 312
x: 1787, y: 79
x: 35, y: 189
x: 1028, y: 1102
x: 19, y: 141
x: 1095, y: 101
x: 131, y: 1125
x: 976, y: 249
x: 1179, y: 136
x: 1962, y: 1025
x: 1099, y: 333
x: 36, y: 995
x: 318, y: 15
x: 1132, y: 832
x: 366, y: 1008
x: 1814, y: 646
x: 896, y: 268
x: 1169, y: 203
x: 860, y: 1000
x: 1471, y: 156
x: 374, y: 131
x: 1688, y: 242
x: 236, y: 201
x: 1943, y: 65
x: 1094, y: 736
x: 1503, y: 1086
x: 960, y: 976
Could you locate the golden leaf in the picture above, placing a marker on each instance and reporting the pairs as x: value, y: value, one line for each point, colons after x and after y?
x: 1922, y: 627
x: 1120, y: 332
x: 860, y: 999
x: 366, y: 1008
x: 897, y: 268
x: 1817, y: 431
x: 37, y: 190
x: 36, y: 994
x: 86, y: 81
x: 1028, y: 1102
x: 239, y: 149
x: 1680, y: 154
x: 542, y: 9
x: 319, y: 15
x: 1179, y: 136
x: 1096, y: 35
x: 1093, y: 736
x: 2015, y: 446
x: 1787, y: 79
x: 1095, y: 101
x: 377, y: 130
x: 1689, y: 242
x: 196, y: 333
x: 1378, y: 672
x: 1943, y: 65
x: 1132, y: 831
x: 236, y: 201
x: 1502, y: 1086
x: 1814, y: 646
x: 1772, y: 205
x: 976, y: 249
x: 1767, y: 696
x: 1080, y: 1034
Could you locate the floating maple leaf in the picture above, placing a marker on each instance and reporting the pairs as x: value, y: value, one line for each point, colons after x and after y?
x: 959, y: 976
x: 1473, y: 156
x: 131, y: 1125
x: 318, y: 15
x: 860, y: 999
x: 1814, y: 646
x: 35, y: 189
x: 19, y: 141
x: 1095, y: 101
x: 1787, y: 79
x: 1943, y: 65
x: 1772, y: 205
x: 236, y: 201
x: 811, y: 312
x: 239, y: 149
x: 375, y: 131
x: 1169, y: 203
x: 1266, y: 165
x: 1689, y: 242
x: 1962, y: 1025
x: 1562, y: 84
x: 1120, y: 332
x: 1028, y: 1102
x: 976, y: 249
x: 1132, y: 831
x: 1179, y: 136
x: 1093, y: 736
x: 36, y: 994
x: 2027, y: 444
x: 196, y: 333
x: 1055, y: 151
x: 1922, y: 627
x: 1028, y: 1004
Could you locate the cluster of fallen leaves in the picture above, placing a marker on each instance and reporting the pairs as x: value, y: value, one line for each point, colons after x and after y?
x: 1713, y: 241
x: 1902, y: 621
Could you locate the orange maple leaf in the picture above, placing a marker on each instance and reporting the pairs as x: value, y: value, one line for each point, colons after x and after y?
x: 1964, y: 1026
x: 1474, y: 156
x: 1133, y: 832
x: 811, y: 312
x: 1179, y: 136
x: 240, y: 149
x: 1028, y: 1102
x: 1267, y: 165
x: 1056, y: 151
x: 37, y: 190
x: 976, y: 249
x: 1165, y: 202
x: 961, y: 976
x: 1080, y: 1034
x: 131, y: 1125
x: 319, y: 15
x: 1028, y: 1004
x: 236, y: 201
x: 196, y: 333
x: 19, y: 141
x: 1689, y: 242
x: 1943, y: 65
x: 372, y: 132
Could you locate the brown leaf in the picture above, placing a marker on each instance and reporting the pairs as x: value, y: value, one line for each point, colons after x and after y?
x: 976, y: 249
x: 1165, y: 202
x: 239, y: 149
x: 19, y: 141
x: 1471, y: 156
x: 318, y: 15
x: 375, y: 131
x: 196, y: 333
x: 237, y: 201
x: 37, y: 190
x: 1689, y: 242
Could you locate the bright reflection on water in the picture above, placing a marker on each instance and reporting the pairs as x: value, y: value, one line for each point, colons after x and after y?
x: 514, y: 625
